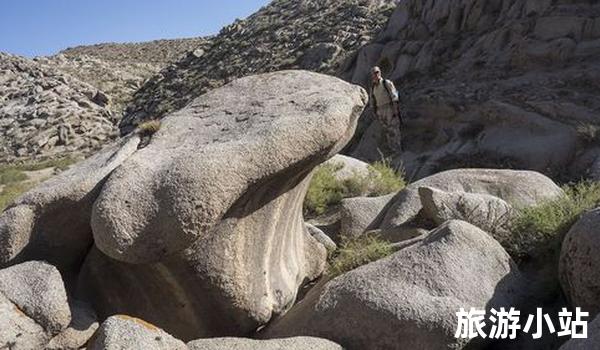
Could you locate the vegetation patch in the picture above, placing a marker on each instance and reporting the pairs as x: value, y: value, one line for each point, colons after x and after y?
x: 148, y: 128
x: 326, y: 191
x: 540, y: 229
x: 14, y: 180
x: 354, y: 252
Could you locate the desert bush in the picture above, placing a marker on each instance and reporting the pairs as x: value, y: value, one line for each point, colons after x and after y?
x: 540, y: 229
x: 325, y: 190
x: 148, y: 128
x: 354, y: 252
x: 386, y: 178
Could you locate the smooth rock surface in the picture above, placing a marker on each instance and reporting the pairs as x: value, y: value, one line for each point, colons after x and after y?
x: 123, y: 332
x: 52, y: 221
x: 518, y: 188
x: 211, y: 209
x: 37, y: 289
x: 409, y: 300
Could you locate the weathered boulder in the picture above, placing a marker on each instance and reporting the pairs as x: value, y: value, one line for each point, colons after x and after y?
x: 358, y: 214
x: 485, y: 211
x: 37, y: 289
x: 297, y: 343
x: 197, y: 212
x: 589, y: 343
x: 84, y: 324
x: 518, y: 188
x: 409, y: 300
x: 124, y: 332
x: 348, y: 167
x: 33, y: 305
x: 580, y: 262
x: 321, y: 237
x: 52, y: 221
x: 17, y: 330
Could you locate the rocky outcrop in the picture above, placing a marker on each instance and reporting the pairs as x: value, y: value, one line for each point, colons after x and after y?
x: 297, y: 343
x: 358, y: 214
x: 488, y: 84
x: 579, y: 263
x: 517, y: 188
x: 409, y: 299
x: 196, y: 209
x: 33, y: 305
x: 286, y: 34
x: 119, y: 70
x: 124, y: 332
x: 47, y: 113
x: 485, y: 211
x: 52, y: 221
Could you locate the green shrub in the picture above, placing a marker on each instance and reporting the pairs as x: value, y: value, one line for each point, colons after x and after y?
x: 542, y: 228
x: 148, y: 128
x: 10, y: 175
x: 386, y: 179
x: 325, y: 190
x: 357, y: 251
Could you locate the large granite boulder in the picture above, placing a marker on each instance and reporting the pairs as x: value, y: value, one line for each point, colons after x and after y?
x: 189, y: 229
x: 52, y: 221
x: 516, y: 187
x: 124, y: 332
x: 33, y: 305
x: 409, y: 300
x: 296, y: 343
x: 580, y: 262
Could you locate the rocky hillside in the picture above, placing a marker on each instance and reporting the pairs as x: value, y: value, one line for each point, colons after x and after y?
x: 307, y: 34
x: 157, y: 52
x: 47, y: 113
x: 508, y: 83
x: 179, y: 238
x: 120, y: 70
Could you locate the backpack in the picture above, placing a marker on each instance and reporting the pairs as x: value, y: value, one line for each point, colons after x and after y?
x: 393, y: 94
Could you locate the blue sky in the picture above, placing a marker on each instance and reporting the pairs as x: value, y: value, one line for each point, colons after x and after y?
x: 44, y: 27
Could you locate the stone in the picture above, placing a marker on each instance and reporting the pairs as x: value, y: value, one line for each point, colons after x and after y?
x: 579, y: 261
x: 198, y: 210
x: 321, y: 237
x: 17, y: 330
x: 35, y: 225
x: 410, y: 299
x: 485, y: 211
x: 37, y: 289
x: 84, y: 324
x: 297, y: 343
x: 516, y: 187
x: 360, y: 213
x: 348, y: 167
x: 124, y: 332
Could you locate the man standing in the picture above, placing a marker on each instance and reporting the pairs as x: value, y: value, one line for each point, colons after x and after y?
x: 384, y: 101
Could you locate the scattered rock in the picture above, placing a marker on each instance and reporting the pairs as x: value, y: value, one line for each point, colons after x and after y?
x: 84, y: 324
x: 360, y: 213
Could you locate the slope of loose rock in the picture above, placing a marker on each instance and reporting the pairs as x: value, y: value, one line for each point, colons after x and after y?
x: 508, y: 83
x: 46, y: 113
x: 286, y: 34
